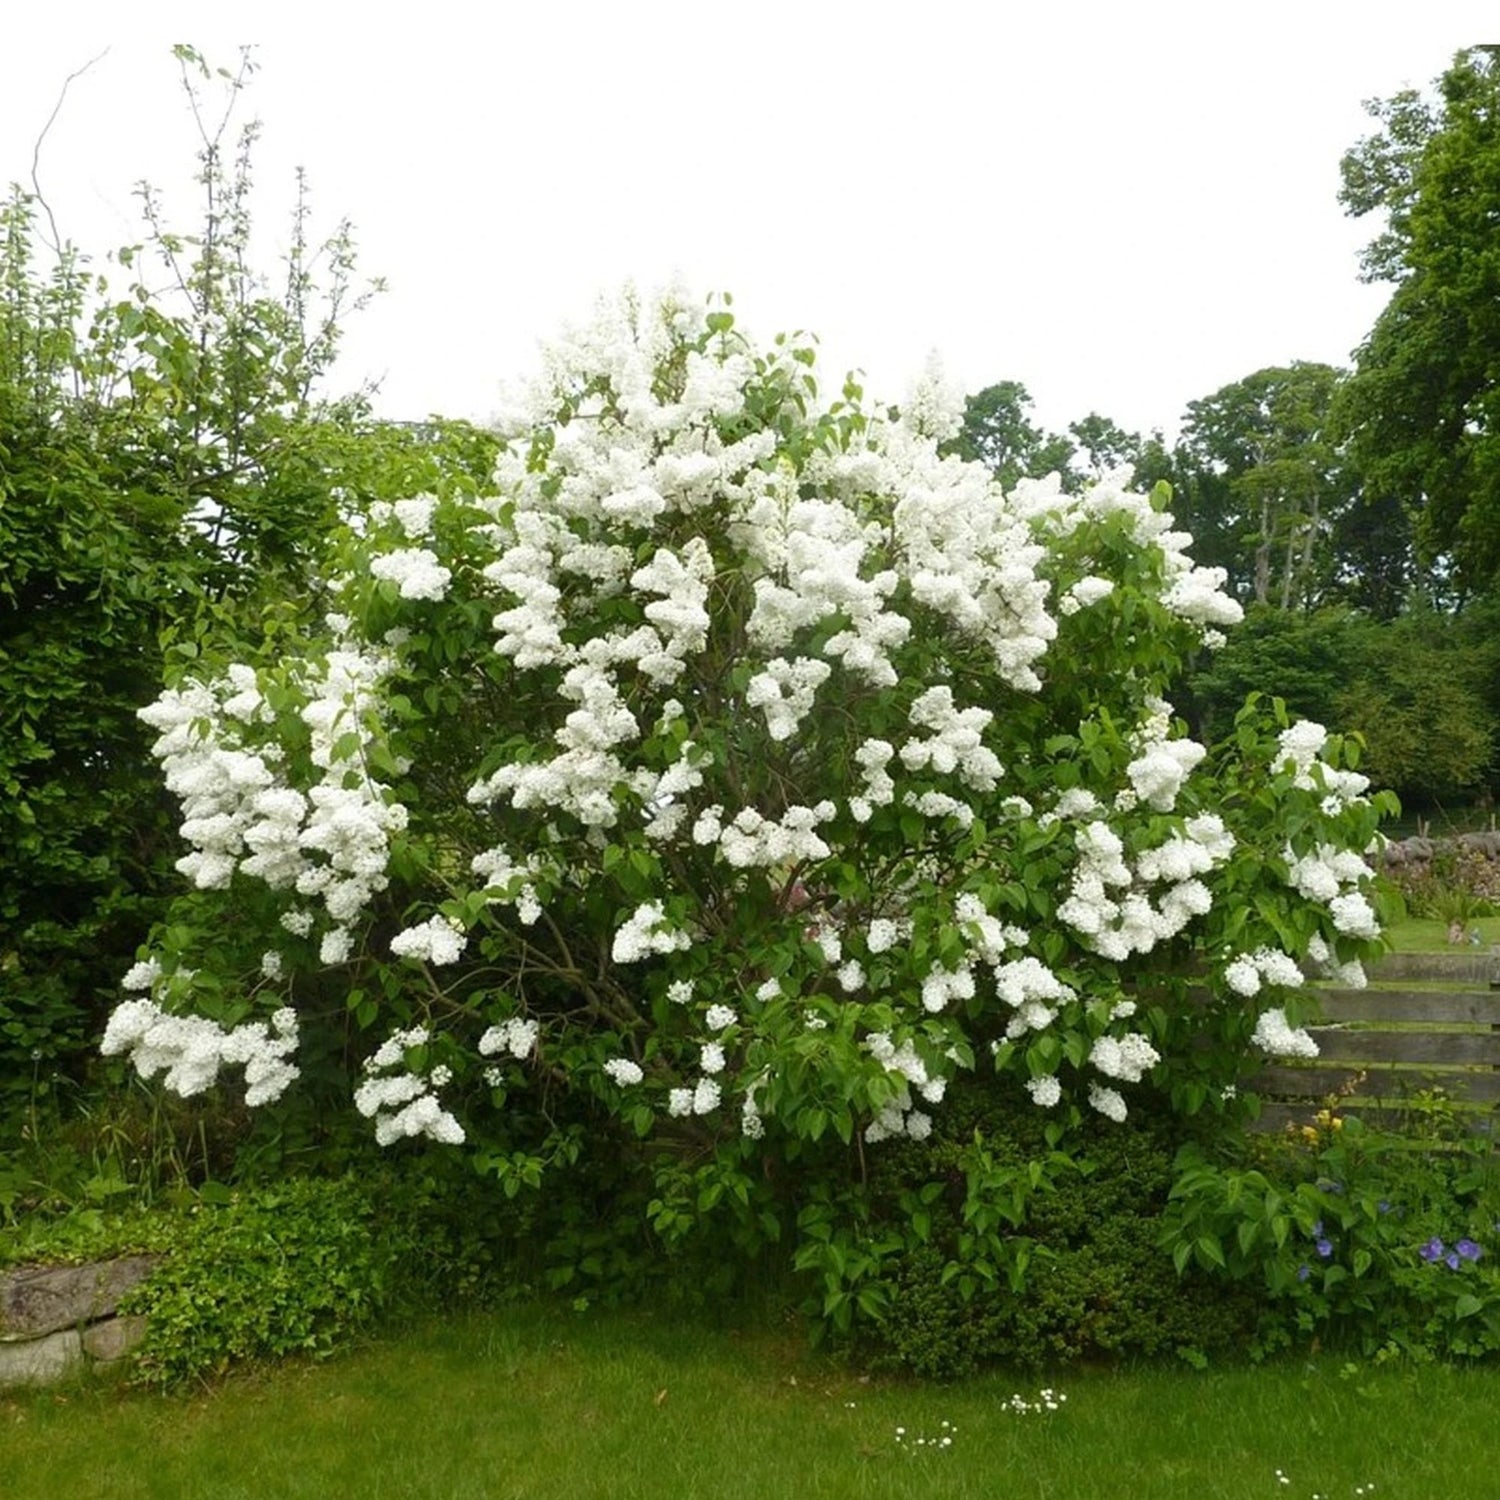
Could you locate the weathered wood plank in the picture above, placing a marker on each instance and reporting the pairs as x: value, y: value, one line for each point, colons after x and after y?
x: 1466, y: 966
x: 1275, y: 1117
x: 1476, y: 1086
x: 1426, y: 1048
x: 1479, y: 1007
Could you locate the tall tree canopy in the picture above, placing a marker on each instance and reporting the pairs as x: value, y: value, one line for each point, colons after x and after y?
x: 1422, y: 408
x: 1265, y: 481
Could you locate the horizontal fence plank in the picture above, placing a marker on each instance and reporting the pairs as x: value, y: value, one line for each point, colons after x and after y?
x: 1480, y: 1007
x: 1426, y: 1048
x: 1276, y: 1116
x: 1472, y: 966
x: 1316, y: 1084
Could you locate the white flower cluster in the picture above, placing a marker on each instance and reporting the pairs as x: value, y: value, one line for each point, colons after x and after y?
x: 1115, y: 926
x: 1245, y: 974
x: 1128, y: 1058
x: 190, y: 1050
x: 331, y: 840
x: 899, y: 1117
x: 751, y: 841
x: 1192, y: 593
x: 1299, y: 751
x: 1275, y: 1036
x: 785, y: 691
x: 1161, y: 764
x: 509, y: 882
x: 1350, y: 974
x: 415, y: 570
x: 437, y: 941
x: 515, y: 1037
x: 1323, y: 876
x: 645, y: 932
x: 404, y: 1104
x: 1085, y: 592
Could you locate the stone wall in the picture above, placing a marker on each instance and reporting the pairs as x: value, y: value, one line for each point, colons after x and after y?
x: 58, y: 1320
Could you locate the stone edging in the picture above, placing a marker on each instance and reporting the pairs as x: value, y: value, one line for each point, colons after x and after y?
x: 58, y: 1320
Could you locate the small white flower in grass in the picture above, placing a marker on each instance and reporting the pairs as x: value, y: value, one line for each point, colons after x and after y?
x: 719, y: 1017
x: 680, y: 991
x: 624, y: 1071
x: 769, y: 990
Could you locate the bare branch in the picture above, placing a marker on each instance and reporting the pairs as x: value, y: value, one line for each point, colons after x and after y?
x: 36, y: 150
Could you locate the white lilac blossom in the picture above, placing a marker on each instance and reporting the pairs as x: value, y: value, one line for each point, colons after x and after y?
x: 623, y: 1071
x: 415, y: 571
x: 404, y: 1104
x: 1109, y: 1102
x: 1275, y: 1036
x: 437, y: 941
x: 719, y: 1017
x: 1244, y: 974
x: 1045, y: 1092
x: 515, y: 1037
x: 190, y: 1050
x: 646, y: 932
x: 1128, y: 1058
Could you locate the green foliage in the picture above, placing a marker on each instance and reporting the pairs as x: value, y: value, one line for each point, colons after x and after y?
x: 999, y: 433
x: 1001, y: 1241
x: 1266, y: 481
x: 1423, y: 405
x: 1359, y: 1237
x: 168, y: 471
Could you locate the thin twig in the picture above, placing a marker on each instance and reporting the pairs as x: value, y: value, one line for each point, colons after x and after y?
x: 36, y: 150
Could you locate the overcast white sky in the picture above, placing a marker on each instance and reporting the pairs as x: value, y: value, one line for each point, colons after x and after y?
x: 1125, y: 206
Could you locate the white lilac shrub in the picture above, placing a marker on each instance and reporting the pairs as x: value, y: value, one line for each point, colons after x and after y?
x: 740, y: 759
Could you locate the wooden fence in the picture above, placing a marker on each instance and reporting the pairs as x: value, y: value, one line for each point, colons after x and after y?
x: 1428, y: 1021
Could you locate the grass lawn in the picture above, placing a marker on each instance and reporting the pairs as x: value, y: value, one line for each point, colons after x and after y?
x: 1419, y: 936
x: 539, y: 1402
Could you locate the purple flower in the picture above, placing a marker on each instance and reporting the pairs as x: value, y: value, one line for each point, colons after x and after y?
x: 1384, y: 1205
x: 1468, y: 1249
x: 1324, y: 1248
x: 1317, y: 1230
x: 1303, y: 1272
x: 1453, y: 1260
x: 1432, y: 1251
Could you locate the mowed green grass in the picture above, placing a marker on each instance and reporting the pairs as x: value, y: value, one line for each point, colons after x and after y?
x: 1419, y: 935
x: 539, y: 1402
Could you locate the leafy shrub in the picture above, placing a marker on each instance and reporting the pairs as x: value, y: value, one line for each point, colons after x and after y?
x: 1085, y: 1276
x: 1364, y: 1237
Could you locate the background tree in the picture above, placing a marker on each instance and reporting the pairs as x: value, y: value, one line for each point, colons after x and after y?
x: 999, y: 433
x: 1422, y: 406
x: 1267, y: 480
x: 169, y: 471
